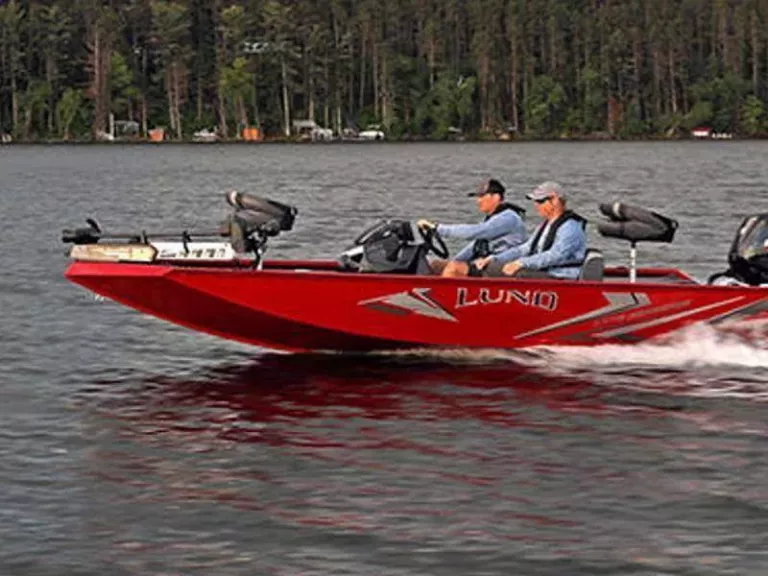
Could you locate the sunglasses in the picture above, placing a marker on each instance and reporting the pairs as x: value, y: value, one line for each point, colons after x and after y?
x: 543, y: 200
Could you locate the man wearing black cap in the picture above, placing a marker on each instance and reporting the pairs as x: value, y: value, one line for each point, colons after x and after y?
x: 502, y: 229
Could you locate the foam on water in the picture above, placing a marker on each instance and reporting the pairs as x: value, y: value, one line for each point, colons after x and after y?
x: 699, y: 346
x: 699, y: 363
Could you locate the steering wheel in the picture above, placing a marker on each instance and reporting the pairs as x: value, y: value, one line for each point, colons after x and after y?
x: 434, y: 242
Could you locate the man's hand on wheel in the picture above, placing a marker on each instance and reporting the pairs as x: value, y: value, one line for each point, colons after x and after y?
x: 426, y: 224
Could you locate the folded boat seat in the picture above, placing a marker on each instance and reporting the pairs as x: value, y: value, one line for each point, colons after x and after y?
x: 593, y: 267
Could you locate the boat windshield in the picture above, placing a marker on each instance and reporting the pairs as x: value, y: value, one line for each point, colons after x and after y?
x: 754, y: 238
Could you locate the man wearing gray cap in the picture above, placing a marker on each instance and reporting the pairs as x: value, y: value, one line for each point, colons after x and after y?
x: 555, y: 250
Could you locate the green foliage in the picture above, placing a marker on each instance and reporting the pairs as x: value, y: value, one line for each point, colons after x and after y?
x: 574, y: 122
x: 700, y: 115
x: 192, y: 123
x: 593, y: 119
x: 67, y: 109
x: 668, y: 124
x: 278, y: 25
x: 549, y: 67
x: 34, y: 101
x: 170, y: 31
x: 544, y: 107
x: 724, y: 95
x: 446, y: 107
x: 121, y: 81
x: 12, y: 22
x: 233, y: 29
x: 365, y: 117
x: 120, y: 75
x: 397, y: 129
x: 633, y: 126
x: 236, y: 81
x: 752, y: 116
x: 236, y: 85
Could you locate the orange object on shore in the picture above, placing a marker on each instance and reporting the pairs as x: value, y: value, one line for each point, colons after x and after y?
x: 156, y: 134
x: 251, y: 134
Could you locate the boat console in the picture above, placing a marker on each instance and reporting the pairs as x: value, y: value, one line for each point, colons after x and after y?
x: 393, y: 247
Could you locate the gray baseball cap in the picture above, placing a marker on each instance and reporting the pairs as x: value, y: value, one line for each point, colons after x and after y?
x: 546, y: 190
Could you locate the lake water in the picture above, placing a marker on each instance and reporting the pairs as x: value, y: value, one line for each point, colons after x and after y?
x: 131, y: 446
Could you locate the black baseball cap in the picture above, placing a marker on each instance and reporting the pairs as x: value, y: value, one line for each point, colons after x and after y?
x: 491, y: 186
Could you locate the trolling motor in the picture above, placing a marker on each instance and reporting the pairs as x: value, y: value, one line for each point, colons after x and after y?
x: 635, y: 225
x: 248, y: 228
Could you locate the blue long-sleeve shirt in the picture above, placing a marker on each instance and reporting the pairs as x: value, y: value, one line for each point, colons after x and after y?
x: 561, y: 260
x: 503, y: 230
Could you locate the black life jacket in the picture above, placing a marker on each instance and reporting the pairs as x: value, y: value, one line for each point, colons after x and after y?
x: 507, y: 206
x: 481, y: 247
x: 552, y: 232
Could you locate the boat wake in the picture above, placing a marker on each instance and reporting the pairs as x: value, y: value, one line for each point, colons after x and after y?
x: 699, y: 346
x: 699, y: 362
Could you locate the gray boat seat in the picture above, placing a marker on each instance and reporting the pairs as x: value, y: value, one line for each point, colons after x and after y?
x: 594, y: 264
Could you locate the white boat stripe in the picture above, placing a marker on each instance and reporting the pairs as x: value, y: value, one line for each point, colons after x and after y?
x: 618, y: 302
x: 664, y: 319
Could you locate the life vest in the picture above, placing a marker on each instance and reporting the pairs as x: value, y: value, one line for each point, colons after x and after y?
x: 552, y: 232
x: 481, y: 247
x: 507, y: 206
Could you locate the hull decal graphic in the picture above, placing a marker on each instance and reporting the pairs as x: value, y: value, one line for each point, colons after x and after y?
x: 664, y: 319
x: 744, y: 312
x: 416, y: 301
x: 617, y: 302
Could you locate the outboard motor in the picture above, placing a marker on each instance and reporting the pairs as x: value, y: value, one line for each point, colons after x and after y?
x: 635, y: 225
x: 388, y: 247
x: 748, y: 256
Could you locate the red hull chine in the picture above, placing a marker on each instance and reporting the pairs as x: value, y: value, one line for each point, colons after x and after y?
x: 152, y: 290
x: 313, y: 306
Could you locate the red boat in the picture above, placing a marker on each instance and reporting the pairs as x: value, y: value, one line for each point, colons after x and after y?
x: 379, y: 294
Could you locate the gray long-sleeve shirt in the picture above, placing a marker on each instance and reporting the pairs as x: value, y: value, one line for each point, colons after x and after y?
x: 560, y: 261
x: 503, y: 230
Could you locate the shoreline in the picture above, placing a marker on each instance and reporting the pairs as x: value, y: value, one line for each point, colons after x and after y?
x: 286, y: 141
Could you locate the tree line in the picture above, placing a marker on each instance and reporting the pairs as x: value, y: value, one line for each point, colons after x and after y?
x: 419, y: 68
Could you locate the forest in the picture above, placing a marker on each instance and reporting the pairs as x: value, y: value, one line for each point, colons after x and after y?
x: 420, y: 69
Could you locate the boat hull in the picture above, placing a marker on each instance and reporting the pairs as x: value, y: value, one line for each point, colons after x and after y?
x: 299, y: 306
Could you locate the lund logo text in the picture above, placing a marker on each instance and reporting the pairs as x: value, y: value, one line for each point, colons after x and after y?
x: 484, y: 296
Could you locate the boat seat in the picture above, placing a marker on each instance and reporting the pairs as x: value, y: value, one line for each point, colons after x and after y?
x: 593, y: 267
